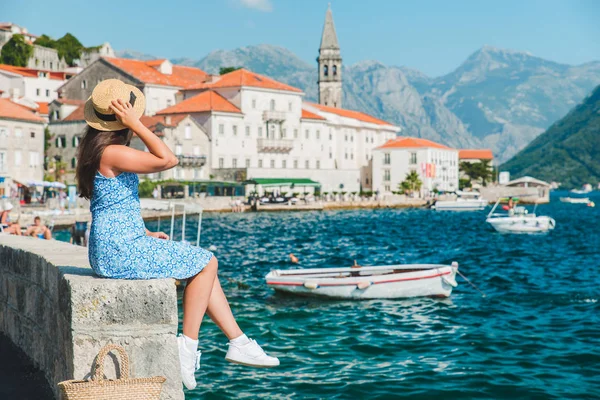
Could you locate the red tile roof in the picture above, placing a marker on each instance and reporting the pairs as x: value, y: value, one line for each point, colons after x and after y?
x: 411, y: 143
x: 205, y: 101
x: 43, y: 107
x: 309, y: 115
x: 350, y: 114
x: 145, y: 72
x: 11, y: 110
x: 32, y: 73
x: 243, y: 77
x: 479, y: 154
x: 70, y: 102
x: 76, y: 115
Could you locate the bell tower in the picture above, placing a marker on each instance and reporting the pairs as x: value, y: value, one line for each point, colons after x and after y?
x: 330, y: 65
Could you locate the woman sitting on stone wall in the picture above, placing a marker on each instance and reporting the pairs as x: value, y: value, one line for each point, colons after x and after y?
x: 121, y: 247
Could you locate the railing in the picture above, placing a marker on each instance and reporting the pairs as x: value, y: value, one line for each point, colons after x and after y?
x: 196, y: 161
x: 276, y: 116
x: 275, y: 145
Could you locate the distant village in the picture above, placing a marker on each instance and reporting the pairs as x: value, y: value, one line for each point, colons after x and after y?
x: 228, y: 131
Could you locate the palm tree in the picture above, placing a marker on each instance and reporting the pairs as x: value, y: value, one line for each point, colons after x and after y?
x: 478, y: 171
x: 412, y: 183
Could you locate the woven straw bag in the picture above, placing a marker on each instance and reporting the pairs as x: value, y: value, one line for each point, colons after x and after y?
x: 124, y: 388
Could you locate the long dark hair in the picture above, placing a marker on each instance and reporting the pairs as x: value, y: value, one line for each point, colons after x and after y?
x: 89, y: 153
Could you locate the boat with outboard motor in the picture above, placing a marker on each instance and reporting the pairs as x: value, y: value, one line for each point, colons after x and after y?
x: 518, y: 219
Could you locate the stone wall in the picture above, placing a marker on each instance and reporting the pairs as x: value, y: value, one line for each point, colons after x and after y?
x: 60, y: 314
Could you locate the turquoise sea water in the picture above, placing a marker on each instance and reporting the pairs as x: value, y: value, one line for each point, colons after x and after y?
x: 535, y: 335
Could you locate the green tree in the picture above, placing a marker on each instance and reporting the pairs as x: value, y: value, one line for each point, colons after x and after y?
x: 226, y: 70
x: 45, y: 41
x: 16, y: 51
x: 411, y: 184
x: 69, y: 47
x: 479, y: 171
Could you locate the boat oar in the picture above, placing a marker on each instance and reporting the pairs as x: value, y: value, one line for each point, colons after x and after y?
x: 470, y: 283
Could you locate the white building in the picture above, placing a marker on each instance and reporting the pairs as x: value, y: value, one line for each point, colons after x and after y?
x: 436, y: 164
x: 32, y: 84
x: 21, y: 145
x: 261, y: 128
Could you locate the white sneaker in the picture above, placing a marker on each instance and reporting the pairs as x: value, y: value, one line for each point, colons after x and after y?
x: 250, y: 354
x: 190, y: 363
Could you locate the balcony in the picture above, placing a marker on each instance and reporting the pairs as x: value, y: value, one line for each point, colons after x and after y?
x: 274, y: 145
x: 274, y: 116
x: 191, y: 161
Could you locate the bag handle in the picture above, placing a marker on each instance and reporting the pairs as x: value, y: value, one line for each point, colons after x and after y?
x: 123, y: 365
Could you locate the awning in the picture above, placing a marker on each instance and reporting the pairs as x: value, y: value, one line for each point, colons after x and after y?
x: 266, y: 182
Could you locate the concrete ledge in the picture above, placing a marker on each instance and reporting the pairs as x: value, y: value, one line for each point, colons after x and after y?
x: 60, y: 314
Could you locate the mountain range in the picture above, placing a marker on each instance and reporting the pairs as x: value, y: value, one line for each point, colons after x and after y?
x: 568, y: 152
x: 499, y: 99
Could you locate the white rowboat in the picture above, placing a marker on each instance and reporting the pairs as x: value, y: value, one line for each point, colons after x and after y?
x: 378, y: 282
x: 575, y: 200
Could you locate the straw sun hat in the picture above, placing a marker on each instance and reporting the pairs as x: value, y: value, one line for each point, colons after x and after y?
x: 97, y: 112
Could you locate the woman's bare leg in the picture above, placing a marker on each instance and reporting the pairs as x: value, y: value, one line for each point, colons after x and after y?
x: 219, y: 311
x: 195, y: 298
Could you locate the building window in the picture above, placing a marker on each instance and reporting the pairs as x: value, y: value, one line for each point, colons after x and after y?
x: 260, y: 131
x: 295, y: 133
x: 3, y: 131
x: 284, y: 164
x: 221, y: 162
x: 352, y: 156
x: 75, y: 141
x: 290, y: 106
x: 346, y: 156
x: 330, y: 155
x: 3, y: 161
x: 254, y: 103
x: 325, y: 70
x: 352, y: 138
x: 386, y: 158
x: 318, y: 134
x: 345, y: 138
x: 247, y: 163
x: 32, y: 135
x: 330, y: 136
x: 387, y: 188
x: 334, y: 70
x: 296, y: 164
x: 61, y: 142
x: 234, y: 163
x: 306, y: 133
x: 272, y: 163
x: 221, y: 129
x: 73, y: 162
x: 37, y: 92
x: 318, y: 164
x: 47, y: 93
x: 272, y: 105
x: 413, y: 158
x: 260, y: 163
x: 17, y: 158
x: 84, y: 84
x: 170, y: 103
x: 234, y: 130
x: 34, y: 158
x: 386, y: 175
x: 248, y: 131
x: 178, y: 150
x: 188, y: 131
x: 307, y: 164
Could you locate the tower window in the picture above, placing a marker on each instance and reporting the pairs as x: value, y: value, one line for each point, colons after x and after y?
x: 334, y: 70
x: 272, y: 105
x: 325, y: 70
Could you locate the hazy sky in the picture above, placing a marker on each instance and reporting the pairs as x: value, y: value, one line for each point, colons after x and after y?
x: 432, y: 36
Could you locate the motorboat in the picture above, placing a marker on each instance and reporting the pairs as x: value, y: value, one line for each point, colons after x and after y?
x: 519, y: 220
x: 575, y: 200
x: 465, y: 201
x: 374, y: 282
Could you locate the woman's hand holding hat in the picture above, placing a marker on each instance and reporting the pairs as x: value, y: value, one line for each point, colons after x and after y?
x: 125, y: 113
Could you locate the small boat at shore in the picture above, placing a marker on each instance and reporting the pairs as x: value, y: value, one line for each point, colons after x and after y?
x: 465, y: 201
x: 575, y: 200
x: 376, y: 282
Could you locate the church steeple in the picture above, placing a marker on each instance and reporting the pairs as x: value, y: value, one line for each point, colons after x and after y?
x: 330, y: 65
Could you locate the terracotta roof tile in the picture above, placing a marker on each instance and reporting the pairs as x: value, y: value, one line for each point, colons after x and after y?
x: 70, y: 102
x: 43, y: 107
x: 145, y: 72
x: 411, y: 143
x: 11, y: 110
x: 480, y: 154
x: 243, y: 77
x: 32, y: 73
x: 310, y: 115
x: 360, y: 116
x: 205, y: 101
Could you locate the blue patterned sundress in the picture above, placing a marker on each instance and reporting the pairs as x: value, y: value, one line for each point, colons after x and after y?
x: 118, y: 244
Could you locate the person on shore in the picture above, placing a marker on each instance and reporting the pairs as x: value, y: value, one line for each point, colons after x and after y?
x: 155, y: 193
x: 119, y: 244
x: 12, y: 228
x: 39, y: 230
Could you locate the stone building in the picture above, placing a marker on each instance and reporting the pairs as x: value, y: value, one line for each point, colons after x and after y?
x: 8, y: 29
x: 330, y: 66
x: 47, y: 59
x: 65, y: 136
x: 21, y: 145
x: 159, y: 80
x: 90, y: 55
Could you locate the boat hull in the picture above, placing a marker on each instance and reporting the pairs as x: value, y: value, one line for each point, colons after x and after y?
x: 464, y: 205
x: 575, y: 200
x: 522, y: 224
x: 434, y: 282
